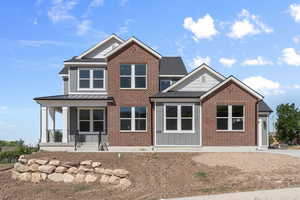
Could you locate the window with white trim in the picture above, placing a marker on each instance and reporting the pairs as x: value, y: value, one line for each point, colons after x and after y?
x: 91, y: 120
x: 91, y: 79
x: 133, y: 119
x: 133, y: 76
x: 230, y: 117
x: 179, y: 118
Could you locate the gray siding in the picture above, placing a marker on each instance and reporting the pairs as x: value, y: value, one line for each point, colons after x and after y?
x: 200, y: 81
x: 74, y: 81
x: 66, y: 86
x: 163, y: 138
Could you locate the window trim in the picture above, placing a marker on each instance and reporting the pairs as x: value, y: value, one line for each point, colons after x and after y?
x: 179, y: 127
x: 230, y: 118
x: 91, y: 120
x: 91, y: 79
x: 132, y: 119
x: 171, y: 82
x: 133, y: 76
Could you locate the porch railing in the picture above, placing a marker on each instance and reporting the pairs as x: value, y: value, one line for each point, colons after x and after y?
x: 80, y: 138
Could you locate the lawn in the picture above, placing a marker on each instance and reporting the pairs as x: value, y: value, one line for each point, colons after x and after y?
x: 163, y: 175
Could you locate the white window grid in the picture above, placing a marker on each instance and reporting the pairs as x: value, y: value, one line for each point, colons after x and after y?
x: 132, y: 120
x: 91, y: 79
x: 132, y: 77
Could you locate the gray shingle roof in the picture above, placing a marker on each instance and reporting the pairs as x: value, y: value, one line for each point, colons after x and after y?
x: 74, y: 59
x: 75, y: 97
x: 172, y: 66
x: 263, y: 107
x: 64, y: 70
x: 178, y: 94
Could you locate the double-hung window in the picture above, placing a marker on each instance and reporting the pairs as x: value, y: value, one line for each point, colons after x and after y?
x: 133, y: 76
x: 91, y: 120
x: 133, y: 119
x: 91, y: 79
x: 179, y: 118
x: 230, y: 117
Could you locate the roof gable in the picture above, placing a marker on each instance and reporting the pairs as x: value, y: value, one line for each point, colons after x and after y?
x: 239, y: 83
x: 133, y: 39
x: 103, y: 47
x: 194, y: 76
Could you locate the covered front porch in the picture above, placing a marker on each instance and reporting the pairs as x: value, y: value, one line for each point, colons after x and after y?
x: 72, y: 122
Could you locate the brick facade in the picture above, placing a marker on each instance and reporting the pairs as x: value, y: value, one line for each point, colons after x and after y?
x: 230, y: 94
x: 131, y: 54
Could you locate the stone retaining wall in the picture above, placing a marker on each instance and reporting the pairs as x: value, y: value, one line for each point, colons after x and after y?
x: 88, y: 171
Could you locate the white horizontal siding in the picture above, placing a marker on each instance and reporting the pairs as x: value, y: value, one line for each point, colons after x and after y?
x: 202, y: 81
x: 104, y: 49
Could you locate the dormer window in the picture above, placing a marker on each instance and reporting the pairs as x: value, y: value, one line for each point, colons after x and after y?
x: 91, y: 79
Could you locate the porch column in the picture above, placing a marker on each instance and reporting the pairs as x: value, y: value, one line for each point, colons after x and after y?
x: 65, y: 126
x: 260, y: 123
x: 52, y: 116
x: 44, y: 124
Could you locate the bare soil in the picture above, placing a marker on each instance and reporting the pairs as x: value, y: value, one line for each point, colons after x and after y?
x: 165, y: 175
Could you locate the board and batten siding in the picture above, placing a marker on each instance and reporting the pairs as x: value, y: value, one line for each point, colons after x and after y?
x: 265, y: 137
x: 74, y: 81
x: 200, y: 81
x: 186, y: 139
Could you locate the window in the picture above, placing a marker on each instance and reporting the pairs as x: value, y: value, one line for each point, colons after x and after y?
x: 133, y: 119
x: 230, y: 117
x: 165, y: 83
x: 133, y: 76
x: 91, y: 79
x: 91, y: 120
x: 179, y: 118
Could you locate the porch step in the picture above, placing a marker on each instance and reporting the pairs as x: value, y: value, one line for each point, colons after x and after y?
x: 87, y: 147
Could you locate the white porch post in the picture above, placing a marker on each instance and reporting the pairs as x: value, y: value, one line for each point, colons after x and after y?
x: 65, y: 126
x: 52, y: 115
x: 259, y: 133
x: 44, y: 124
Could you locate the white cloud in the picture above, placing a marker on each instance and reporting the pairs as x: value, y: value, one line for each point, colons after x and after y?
x: 84, y: 27
x: 93, y: 4
x: 296, y: 86
x: 60, y: 10
x: 247, y: 24
x: 124, y: 28
x: 227, y: 62
x: 200, y: 60
x: 263, y: 85
x: 295, y: 12
x: 38, y: 43
x: 296, y: 39
x: 204, y: 28
x: 290, y: 57
x: 3, y: 108
x: 259, y: 61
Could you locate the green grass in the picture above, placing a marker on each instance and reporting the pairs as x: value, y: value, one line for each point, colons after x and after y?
x: 206, y: 190
x: 201, y: 175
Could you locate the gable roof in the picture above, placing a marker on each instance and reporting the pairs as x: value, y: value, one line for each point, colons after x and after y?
x: 201, y: 67
x: 133, y: 39
x: 238, y: 82
x: 263, y: 107
x: 100, y: 43
x: 172, y: 66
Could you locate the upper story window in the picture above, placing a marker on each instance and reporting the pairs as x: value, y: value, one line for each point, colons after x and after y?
x: 165, y: 83
x: 91, y: 79
x: 230, y: 117
x: 133, y: 76
x: 179, y: 118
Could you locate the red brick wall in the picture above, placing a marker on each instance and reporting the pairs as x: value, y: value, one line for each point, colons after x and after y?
x: 132, y: 54
x: 230, y: 94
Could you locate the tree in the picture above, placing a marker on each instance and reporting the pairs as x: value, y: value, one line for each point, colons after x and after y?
x: 288, y: 123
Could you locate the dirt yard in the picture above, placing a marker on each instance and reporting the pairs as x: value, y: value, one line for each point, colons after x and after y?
x: 163, y: 175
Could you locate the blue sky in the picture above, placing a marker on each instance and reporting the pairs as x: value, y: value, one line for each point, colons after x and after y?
x: 257, y: 41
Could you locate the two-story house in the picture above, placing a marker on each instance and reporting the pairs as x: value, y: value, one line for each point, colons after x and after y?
x: 121, y: 94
